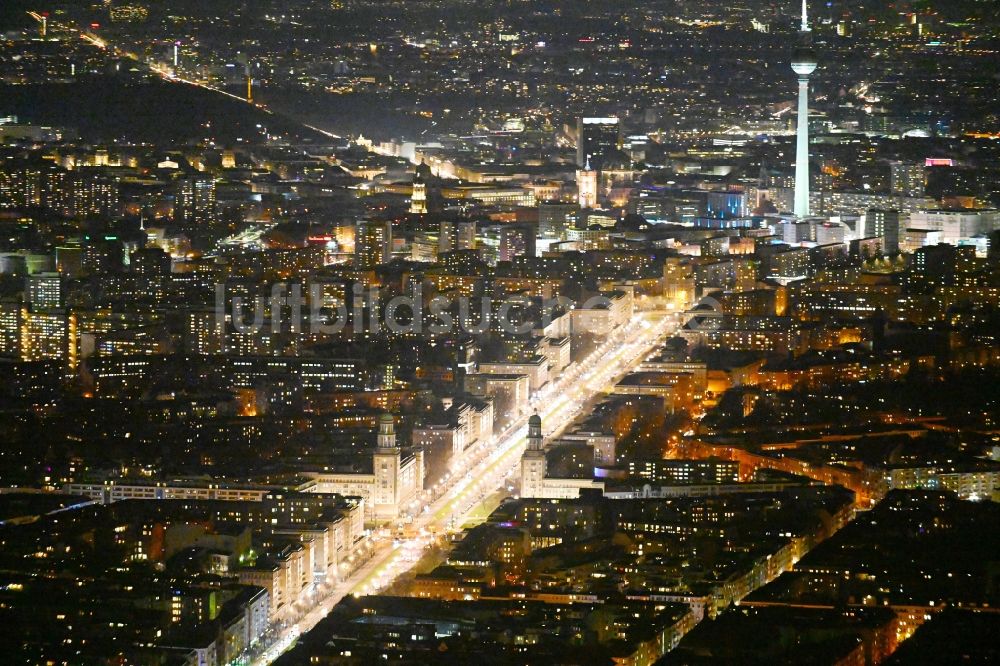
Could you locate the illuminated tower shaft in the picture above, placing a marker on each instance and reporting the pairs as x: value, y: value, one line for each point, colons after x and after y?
x: 803, y: 64
x: 802, y: 150
x: 249, y: 75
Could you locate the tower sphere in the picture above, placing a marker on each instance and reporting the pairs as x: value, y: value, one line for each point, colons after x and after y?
x: 804, y: 61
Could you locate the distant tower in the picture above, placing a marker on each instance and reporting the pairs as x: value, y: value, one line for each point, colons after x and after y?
x: 586, y: 186
x: 533, y: 460
x: 803, y: 64
x: 418, y: 200
x: 386, y: 463
x: 249, y: 82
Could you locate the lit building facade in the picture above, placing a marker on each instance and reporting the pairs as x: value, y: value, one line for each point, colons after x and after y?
x: 395, y: 483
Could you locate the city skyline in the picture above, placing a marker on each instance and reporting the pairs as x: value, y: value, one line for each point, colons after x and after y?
x: 605, y: 333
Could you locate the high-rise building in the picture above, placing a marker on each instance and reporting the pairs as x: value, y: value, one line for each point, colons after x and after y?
x: 92, y: 196
x: 554, y: 219
x: 102, y: 255
x: 425, y: 247
x: 803, y: 64
x: 195, y: 199
x: 597, y: 138
x: 907, y: 179
x: 829, y: 233
x: 794, y: 232
x: 150, y: 262
x: 47, y: 335
x: 726, y: 205
x: 372, y: 243
x: 789, y: 265
x: 940, y: 260
x: 69, y: 260
x: 11, y: 324
x: 884, y: 224
x: 45, y: 290
x: 516, y: 240
x: 456, y: 236
x: 678, y: 283
x: 489, y: 244
x: 204, y: 332
x: 503, y: 242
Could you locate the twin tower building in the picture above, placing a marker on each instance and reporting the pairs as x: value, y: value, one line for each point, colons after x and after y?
x: 394, y: 486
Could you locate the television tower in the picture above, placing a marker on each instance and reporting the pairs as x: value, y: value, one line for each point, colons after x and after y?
x: 249, y: 76
x: 803, y: 63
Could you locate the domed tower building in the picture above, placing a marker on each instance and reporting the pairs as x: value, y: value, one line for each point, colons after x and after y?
x: 533, y: 460
x: 386, y: 464
x: 534, y: 469
x: 394, y: 484
x: 398, y: 478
